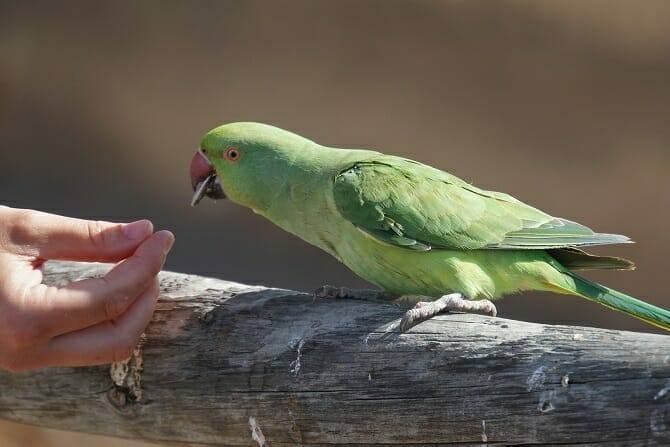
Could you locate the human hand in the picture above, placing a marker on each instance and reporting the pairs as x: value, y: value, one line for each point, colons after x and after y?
x: 93, y: 321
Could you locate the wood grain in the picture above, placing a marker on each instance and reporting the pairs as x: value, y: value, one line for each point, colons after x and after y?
x: 230, y: 364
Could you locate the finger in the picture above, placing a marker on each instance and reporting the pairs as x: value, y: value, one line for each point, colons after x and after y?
x: 105, y: 342
x: 48, y: 236
x: 84, y: 303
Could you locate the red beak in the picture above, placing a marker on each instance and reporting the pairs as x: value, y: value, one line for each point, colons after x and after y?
x: 201, y: 168
x: 204, y: 180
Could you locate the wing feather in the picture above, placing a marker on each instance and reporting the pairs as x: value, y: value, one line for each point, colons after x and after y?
x: 411, y: 205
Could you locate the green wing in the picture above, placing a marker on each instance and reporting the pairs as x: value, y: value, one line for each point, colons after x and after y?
x: 412, y: 205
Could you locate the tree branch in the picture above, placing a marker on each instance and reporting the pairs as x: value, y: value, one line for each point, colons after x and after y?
x: 226, y: 363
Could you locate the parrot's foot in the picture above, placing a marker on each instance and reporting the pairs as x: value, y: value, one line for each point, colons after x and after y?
x: 448, y: 303
x: 333, y: 292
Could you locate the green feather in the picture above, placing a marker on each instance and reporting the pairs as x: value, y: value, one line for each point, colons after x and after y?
x: 437, y: 209
x: 575, y: 259
x: 399, y: 241
x: 620, y: 301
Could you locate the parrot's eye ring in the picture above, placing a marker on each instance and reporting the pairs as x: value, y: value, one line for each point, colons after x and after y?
x: 232, y: 154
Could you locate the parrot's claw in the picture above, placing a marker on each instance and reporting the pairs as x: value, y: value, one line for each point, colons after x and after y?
x: 333, y: 292
x: 454, y: 302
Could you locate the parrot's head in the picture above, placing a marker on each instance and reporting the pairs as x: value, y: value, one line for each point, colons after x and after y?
x: 246, y: 162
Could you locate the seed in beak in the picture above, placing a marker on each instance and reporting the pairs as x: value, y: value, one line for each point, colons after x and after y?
x: 201, y: 189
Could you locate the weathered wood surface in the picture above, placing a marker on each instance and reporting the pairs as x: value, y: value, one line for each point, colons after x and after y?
x: 225, y: 363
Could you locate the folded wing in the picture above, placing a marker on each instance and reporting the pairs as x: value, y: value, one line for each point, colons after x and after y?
x: 411, y: 205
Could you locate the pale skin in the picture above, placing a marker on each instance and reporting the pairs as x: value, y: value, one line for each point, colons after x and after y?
x: 87, y: 322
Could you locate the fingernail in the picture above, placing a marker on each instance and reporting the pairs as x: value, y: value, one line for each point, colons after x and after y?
x: 138, y: 230
x: 168, y: 242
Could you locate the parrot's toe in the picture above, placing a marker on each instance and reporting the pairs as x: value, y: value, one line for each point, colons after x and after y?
x: 412, y: 317
x: 487, y: 308
x: 454, y: 302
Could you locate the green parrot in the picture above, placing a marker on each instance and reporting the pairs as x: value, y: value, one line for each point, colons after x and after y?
x: 406, y: 227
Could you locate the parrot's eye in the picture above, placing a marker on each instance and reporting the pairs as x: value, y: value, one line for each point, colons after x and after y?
x: 232, y: 154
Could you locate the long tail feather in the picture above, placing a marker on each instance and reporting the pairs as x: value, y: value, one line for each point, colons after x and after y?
x: 620, y: 301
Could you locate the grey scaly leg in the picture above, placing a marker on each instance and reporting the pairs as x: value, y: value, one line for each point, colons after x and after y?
x: 454, y: 302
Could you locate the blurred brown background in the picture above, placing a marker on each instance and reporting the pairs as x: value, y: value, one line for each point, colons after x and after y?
x: 564, y: 104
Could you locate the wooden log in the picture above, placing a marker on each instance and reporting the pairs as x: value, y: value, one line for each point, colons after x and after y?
x: 230, y: 364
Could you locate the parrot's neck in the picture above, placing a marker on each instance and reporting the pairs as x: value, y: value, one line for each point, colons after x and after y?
x: 304, y: 204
